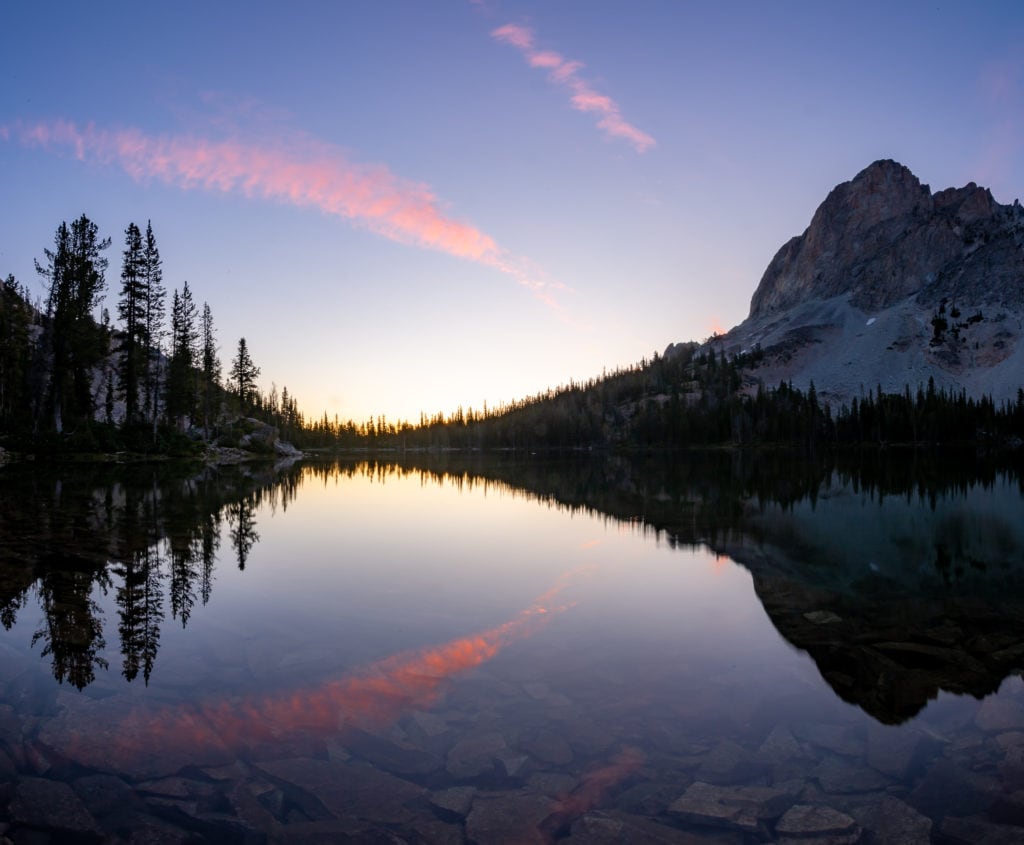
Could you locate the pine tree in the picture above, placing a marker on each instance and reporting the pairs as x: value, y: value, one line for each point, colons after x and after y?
x: 286, y: 409
x: 211, y: 365
x: 244, y: 374
x: 108, y: 399
x: 181, y: 370
x: 132, y: 311
x: 15, y: 354
x: 57, y: 272
x: 74, y: 341
x: 155, y: 293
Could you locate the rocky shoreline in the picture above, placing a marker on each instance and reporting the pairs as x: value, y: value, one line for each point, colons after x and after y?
x: 504, y: 761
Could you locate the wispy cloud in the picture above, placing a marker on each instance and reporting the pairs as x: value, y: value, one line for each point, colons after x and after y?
x: 566, y: 72
x: 303, y: 173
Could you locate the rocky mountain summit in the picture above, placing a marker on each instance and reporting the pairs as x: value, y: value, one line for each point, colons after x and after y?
x: 891, y: 285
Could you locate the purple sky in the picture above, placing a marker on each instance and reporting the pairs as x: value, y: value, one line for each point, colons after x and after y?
x: 408, y: 206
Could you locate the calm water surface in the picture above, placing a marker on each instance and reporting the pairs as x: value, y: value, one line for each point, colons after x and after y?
x: 610, y: 652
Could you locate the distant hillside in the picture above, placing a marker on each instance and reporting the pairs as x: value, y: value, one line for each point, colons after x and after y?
x: 889, y: 286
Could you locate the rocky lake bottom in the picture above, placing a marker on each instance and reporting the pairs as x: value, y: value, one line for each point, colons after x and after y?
x: 377, y: 654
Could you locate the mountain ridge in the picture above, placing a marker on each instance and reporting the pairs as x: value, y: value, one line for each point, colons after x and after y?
x: 889, y: 286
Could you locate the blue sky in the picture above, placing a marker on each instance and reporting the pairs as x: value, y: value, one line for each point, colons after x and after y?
x: 528, y: 234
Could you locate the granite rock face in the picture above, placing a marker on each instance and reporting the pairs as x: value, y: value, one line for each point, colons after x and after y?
x: 883, y: 236
x: 892, y: 285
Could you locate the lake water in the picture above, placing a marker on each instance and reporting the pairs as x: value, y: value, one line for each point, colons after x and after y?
x: 715, y: 649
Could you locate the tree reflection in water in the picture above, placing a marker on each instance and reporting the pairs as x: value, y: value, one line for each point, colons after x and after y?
x: 151, y: 535
x: 898, y: 573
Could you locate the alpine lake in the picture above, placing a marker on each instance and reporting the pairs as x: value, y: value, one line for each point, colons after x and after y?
x: 711, y: 647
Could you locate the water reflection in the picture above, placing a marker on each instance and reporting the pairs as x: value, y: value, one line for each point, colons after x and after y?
x: 353, y: 707
x: 900, y: 575
x: 641, y: 696
x: 149, y: 534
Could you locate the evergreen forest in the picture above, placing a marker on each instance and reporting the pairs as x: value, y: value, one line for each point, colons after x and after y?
x: 150, y: 381
x: 72, y: 379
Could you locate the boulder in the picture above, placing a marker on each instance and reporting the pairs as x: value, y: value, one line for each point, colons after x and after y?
x: 744, y: 808
x: 508, y: 817
x: 893, y: 822
x: 814, y: 824
x: 53, y: 807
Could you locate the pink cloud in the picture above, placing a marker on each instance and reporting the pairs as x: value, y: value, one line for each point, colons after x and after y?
x: 517, y: 36
x: 590, y: 101
x: 552, y: 61
x: 583, y: 97
x: 565, y: 72
x: 305, y: 174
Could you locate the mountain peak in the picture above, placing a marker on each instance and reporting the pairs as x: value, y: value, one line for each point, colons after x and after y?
x: 891, y: 285
x: 881, y: 191
x: 859, y: 220
x: 881, y: 237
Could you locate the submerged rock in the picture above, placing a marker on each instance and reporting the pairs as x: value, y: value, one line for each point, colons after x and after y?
x: 54, y: 807
x: 949, y: 789
x: 457, y: 800
x: 508, y: 817
x: 728, y: 762
x: 744, y: 808
x: 783, y: 755
x: 839, y: 739
x: 840, y: 776
x: 893, y: 822
x: 388, y: 755
x: 474, y: 755
x: 549, y: 747
x: 898, y: 752
x: 112, y: 735
x: 975, y: 830
x: 105, y: 794
x: 617, y: 828
x: 345, y: 790
x: 806, y: 823
x: 1000, y: 714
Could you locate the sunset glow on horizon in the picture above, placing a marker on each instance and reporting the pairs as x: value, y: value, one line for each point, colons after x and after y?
x: 571, y: 189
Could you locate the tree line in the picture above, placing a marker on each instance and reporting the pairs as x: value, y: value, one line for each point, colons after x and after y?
x: 70, y: 380
x: 70, y: 377
x: 695, y: 397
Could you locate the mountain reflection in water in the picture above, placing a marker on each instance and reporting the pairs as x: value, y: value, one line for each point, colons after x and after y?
x: 899, y: 576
